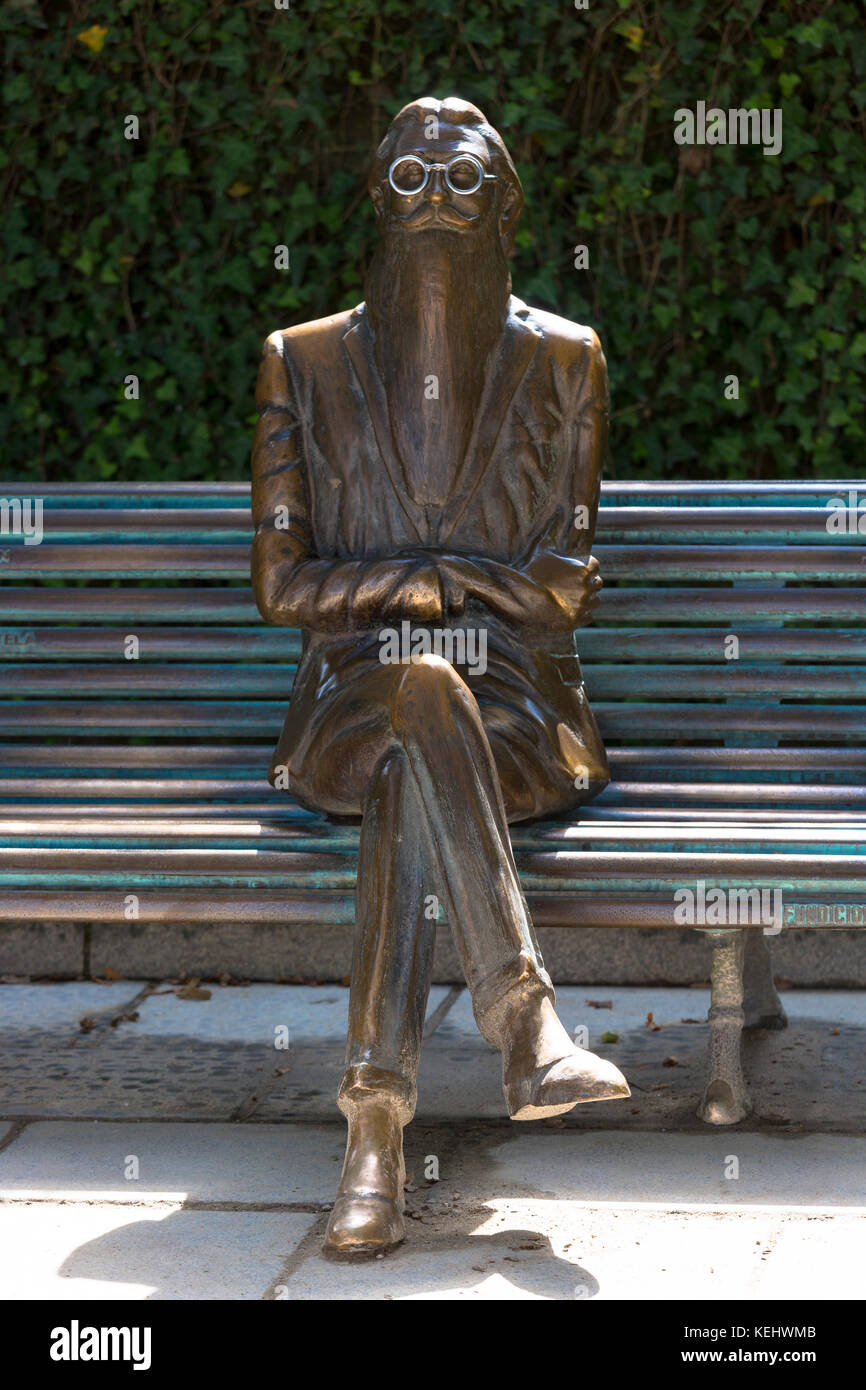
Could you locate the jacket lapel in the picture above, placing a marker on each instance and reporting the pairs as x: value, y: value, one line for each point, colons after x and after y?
x: 505, y: 372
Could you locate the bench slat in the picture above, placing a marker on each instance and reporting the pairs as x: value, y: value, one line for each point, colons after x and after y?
x: 675, y: 562
x: 257, y: 643
x: 639, y: 871
x: 227, y: 802
x: 604, y: 682
x: 227, y: 760
x: 795, y: 682
x: 224, y: 760
x: 755, y: 644
x: 688, y: 491
x: 627, y: 605
x: 738, y: 761
x: 263, y: 718
x: 173, y: 792
x: 310, y: 910
x: 133, y: 678
x: 713, y: 524
x: 734, y: 793
x: 159, y: 643
x: 161, y: 494
x: 647, y: 524
x: 124, y: 561
x: 538, y: 849
x: 632, y: 721
x: 167, y: 494
x: 624, y: 605
x: 714, y: 562
x: 198, y: 525
x: 180, y: 605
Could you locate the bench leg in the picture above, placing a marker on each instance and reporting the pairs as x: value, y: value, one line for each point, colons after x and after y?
x: 761, y: 1003
x: 726, y: 1099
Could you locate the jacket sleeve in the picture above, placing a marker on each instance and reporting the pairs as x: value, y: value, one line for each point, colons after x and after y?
x: 559, y: 561
x: 293, y: 586
x: 589, y: 423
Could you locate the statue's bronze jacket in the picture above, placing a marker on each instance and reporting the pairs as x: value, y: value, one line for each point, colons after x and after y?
x: 333, y: 510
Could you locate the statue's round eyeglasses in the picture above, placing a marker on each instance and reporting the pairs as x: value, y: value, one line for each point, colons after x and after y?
x: 410, y: 174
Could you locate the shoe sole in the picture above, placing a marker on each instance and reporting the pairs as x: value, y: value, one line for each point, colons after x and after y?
x: 522, y: 1106
x: 543, y: 1112
x: 347, y: 1253
x: 530, y: 1111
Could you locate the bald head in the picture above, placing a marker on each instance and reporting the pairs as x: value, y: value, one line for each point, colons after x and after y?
x: 436, y: 132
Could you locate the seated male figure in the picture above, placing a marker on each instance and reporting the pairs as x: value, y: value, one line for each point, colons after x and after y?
x: 433, y: 457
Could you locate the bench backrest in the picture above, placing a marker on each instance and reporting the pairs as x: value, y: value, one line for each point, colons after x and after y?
x: 730, y: 646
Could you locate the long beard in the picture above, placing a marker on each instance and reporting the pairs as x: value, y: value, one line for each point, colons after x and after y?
x: 437, y: 302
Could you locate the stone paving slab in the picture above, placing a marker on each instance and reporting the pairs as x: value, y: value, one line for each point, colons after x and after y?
x: 460, y: 1074
x: 814, y: 1171
x: 309, y: 1090
x: 50, y: 1066
x: 807, y: 1075
x: 317, y: 1057
x: 612, y: 1216
x: 123, y: 1074
x: 212, y: 1059
x: 630, y: 1008
x: 58, y: 1007
x: 565, y: 1251
x: 215, y: 1059
x: 528, y: 1212
x: 284, y: 1164
x: 252, y: 1013
x: 108, y: 1252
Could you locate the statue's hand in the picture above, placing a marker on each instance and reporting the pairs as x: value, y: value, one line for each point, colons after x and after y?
x: 452, y: 590
x: 453, y: 595
x: 419, y: 596
x: 551, y: 591
x: 575, y: 584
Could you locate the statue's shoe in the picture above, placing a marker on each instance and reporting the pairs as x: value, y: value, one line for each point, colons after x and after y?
x: 367, y: 1217
x: 551, y: 1090
x: 363, y: 1224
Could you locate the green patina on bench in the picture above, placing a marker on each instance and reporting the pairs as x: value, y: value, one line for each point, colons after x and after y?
x: 142, y: 697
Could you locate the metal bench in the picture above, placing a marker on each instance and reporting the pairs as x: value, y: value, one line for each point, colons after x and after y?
x: 141, y: 700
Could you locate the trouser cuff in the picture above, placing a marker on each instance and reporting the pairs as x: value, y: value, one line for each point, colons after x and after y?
x: 364, y: 1083
x: 499, y: 992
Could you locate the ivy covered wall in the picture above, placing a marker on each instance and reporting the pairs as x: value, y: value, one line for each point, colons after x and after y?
x: 154, y: 256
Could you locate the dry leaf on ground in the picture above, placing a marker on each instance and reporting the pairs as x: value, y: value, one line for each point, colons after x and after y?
x: 193, y: 991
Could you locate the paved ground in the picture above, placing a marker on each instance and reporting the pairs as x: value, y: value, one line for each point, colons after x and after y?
x: 169, y: 1147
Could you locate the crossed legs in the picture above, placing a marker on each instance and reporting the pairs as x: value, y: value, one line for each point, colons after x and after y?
x: 434, y: 831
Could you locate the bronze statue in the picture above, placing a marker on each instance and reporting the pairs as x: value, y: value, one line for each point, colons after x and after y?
x: 426, y: 474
